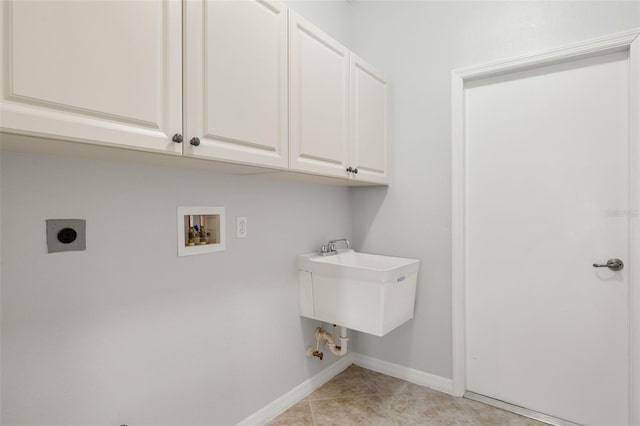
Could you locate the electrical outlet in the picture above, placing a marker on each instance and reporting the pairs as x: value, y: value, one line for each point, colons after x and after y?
x: 66, y: 235
x: 241, y: 227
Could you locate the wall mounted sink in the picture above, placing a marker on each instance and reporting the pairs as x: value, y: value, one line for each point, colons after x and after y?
x: 361, y: 291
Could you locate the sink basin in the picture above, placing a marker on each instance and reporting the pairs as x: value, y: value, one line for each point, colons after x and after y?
x: 365, y: 292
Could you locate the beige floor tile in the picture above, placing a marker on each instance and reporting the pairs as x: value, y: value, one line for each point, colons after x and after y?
x: 363, y: 410
x: 487, y: 415
x: 298, y: 415
x: 428, y: 407
x: 358, y: 396
x: 358, y: 381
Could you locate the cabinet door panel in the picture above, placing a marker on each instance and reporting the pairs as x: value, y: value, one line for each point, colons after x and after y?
x: 368, y: 123
x: 319, y: 100
x: 236, y: 79
x: 98, y: 71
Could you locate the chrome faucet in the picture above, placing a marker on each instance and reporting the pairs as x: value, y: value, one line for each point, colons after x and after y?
x: 331, y: 248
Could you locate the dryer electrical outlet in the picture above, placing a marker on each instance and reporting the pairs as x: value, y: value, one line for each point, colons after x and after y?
x: 66, y: 235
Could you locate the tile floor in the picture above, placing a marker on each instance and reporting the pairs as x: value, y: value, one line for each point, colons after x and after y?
x: 358, y: 396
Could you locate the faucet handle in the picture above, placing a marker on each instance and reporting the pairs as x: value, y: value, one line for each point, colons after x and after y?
x: 323, y: 249
x: 332, y: 247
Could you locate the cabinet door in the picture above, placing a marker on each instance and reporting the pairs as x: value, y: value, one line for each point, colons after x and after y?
x: 319, y: 100
x: 236, y: 81
x: 368, y: 123
x: 105, y: 72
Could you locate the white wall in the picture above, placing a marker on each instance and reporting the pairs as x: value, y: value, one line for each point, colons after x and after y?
x: 417, y: 44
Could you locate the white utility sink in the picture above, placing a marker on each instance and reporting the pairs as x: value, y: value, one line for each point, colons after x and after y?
x: 361, y: 291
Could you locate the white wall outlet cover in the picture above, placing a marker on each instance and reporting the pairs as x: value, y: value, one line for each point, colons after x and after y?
x: 241, y: 227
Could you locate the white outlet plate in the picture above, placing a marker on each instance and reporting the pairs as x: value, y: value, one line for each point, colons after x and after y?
x: 241, y: 227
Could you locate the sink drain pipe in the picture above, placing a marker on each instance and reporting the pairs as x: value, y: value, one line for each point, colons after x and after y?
x: 331, y: 343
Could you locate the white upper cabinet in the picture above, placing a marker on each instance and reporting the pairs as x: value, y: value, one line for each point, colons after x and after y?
x: 262, y: 86
x: 236, y: 81
x: 319, y: 100
x: 105, y: 72
x: 368, y: 123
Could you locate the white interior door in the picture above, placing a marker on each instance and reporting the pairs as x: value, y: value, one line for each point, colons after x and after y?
x: 547, y: 178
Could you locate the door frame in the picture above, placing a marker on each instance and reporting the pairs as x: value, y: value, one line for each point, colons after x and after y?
x: 626, y: 41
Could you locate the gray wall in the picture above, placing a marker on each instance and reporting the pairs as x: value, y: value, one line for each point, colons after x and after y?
x: 127, y: 332
x: 332, y: 16
x: 418, y: 44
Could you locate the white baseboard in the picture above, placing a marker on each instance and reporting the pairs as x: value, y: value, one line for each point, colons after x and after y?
x: 298, y: 393
x: 418, y: 377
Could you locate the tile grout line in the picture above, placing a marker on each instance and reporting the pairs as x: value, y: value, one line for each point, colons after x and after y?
x: 313, y: 419
x: 351, y: 396
x: 365, y: 395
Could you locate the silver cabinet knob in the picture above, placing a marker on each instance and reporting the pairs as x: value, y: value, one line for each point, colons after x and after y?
x: 177, y: 138
x: 194, y: 141
x: 613, y: 264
